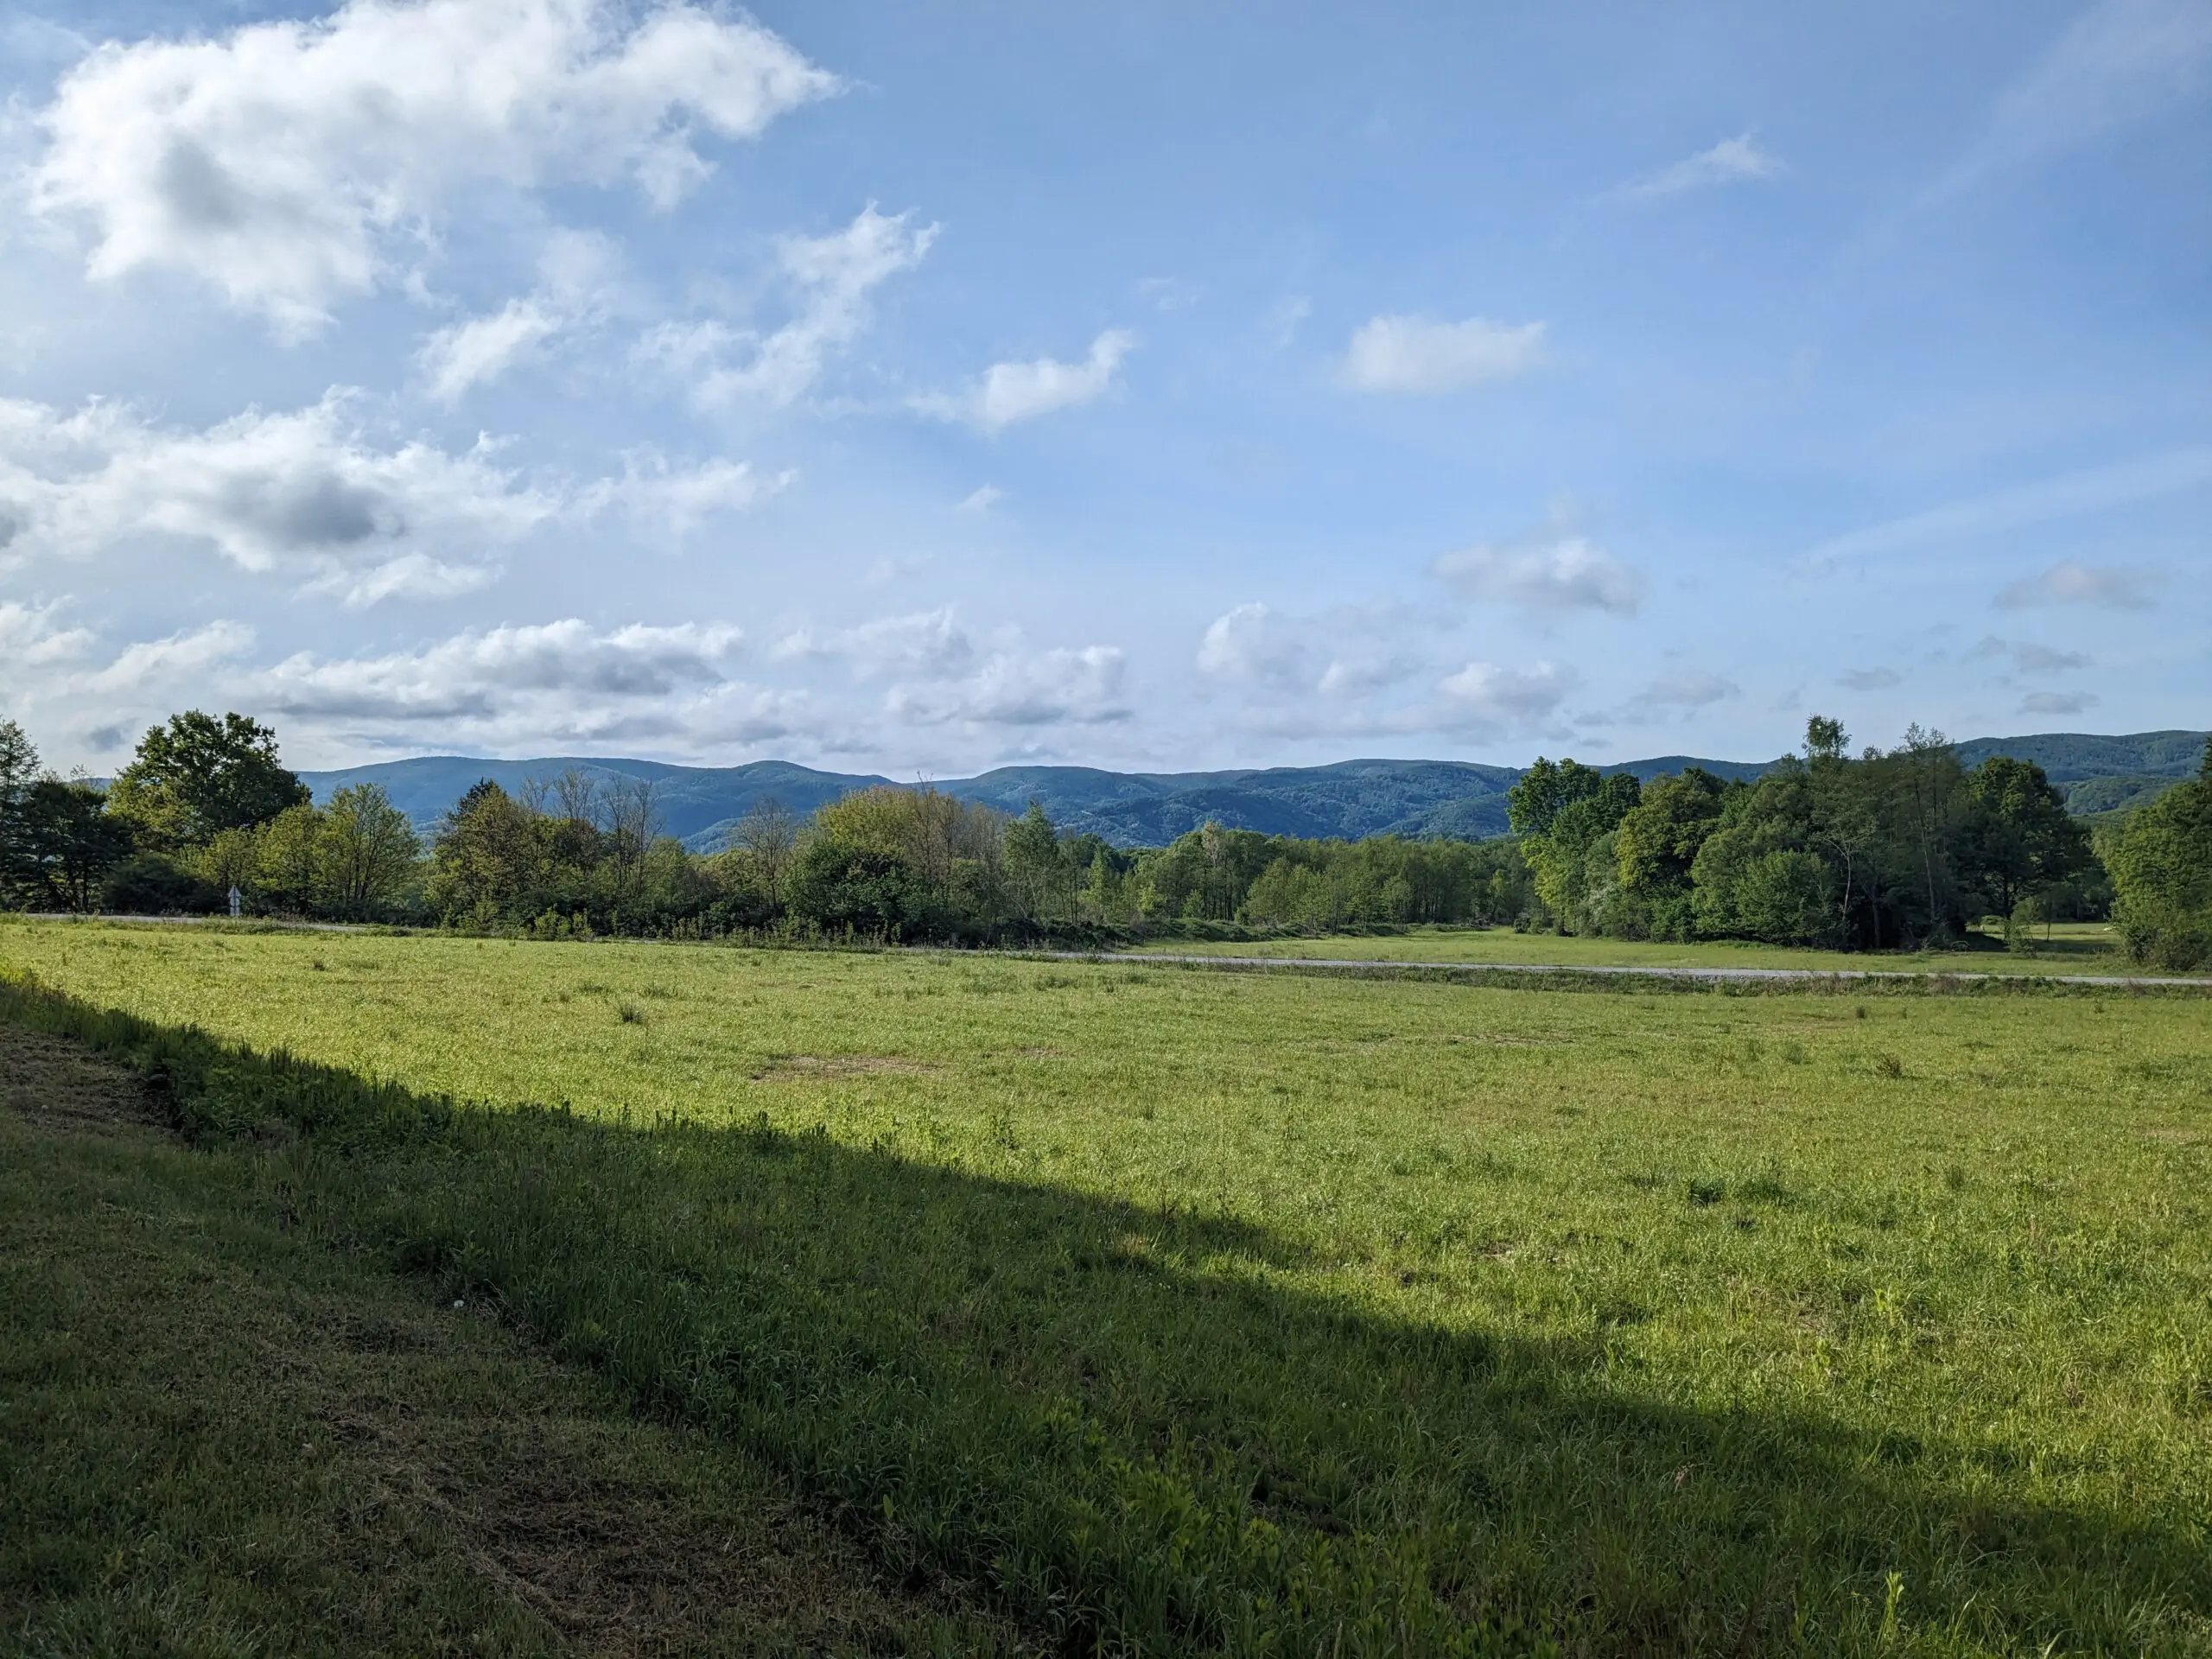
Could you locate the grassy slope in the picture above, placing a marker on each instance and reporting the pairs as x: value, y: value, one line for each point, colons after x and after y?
x: 218, y: 1437
x: 2071, y: 948
x: 1169, y: 1300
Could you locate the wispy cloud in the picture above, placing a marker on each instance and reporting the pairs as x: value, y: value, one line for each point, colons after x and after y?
x: 832, y: 277
x: 1006, y: 393
x: 1420, y: 355
x: 2119, y: 60
x: 477, y: 351
x: 1869, y: 679
x: 1690, y: 687
x: 2027, y: 657
x: 2096, y: 490
x: 2058, y: 702
x: 2114, y: 587
x: 1733, y: 160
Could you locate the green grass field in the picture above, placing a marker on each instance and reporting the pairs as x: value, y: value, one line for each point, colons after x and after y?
x: 1183, y: 1309
x: 219, y: 1437
x: 2063, y: 947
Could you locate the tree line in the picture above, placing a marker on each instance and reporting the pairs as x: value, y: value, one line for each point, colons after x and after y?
x: 1882, y: 850
x: 1885, y: 850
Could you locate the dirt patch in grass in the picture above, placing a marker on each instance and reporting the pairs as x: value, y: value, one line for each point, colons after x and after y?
x: 554, y: 1509
x: 55, y: 1086
x: 792, y: 1068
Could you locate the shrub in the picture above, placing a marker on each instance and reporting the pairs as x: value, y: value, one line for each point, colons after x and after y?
x: 152, y: 884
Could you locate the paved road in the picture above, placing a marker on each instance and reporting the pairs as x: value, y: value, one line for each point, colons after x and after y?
x: 1352, y: 964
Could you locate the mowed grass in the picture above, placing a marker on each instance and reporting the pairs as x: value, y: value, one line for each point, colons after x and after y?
x: 219, y: 1437
x: 1190, y: 1309
x: 2062, y: 947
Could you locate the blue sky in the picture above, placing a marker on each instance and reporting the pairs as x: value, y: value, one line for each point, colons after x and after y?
x: 925, y: 387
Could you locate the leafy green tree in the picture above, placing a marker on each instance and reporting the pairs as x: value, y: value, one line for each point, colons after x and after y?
x: 73, y: 841
x: 1825, y: 739
x: 1545, y: 790
x: 1563, y: 812
x: 1656, y: 846
x: 19, y: 878
x: 1784, y: 897
x: 368, y: 851
x: 1919, y: 786
x: 2162, y: 876
x: 1841, y: 821
x: 1750, y: 878
x: 288, y: 855
x: 198, y: 776
x: 485, y: 857
x: 1036, y: 866
x: 2018, y: 840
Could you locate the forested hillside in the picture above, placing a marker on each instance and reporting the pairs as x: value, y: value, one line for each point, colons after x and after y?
x: 1350, y: 800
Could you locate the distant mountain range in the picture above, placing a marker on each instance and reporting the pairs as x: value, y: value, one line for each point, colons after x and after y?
x: 1150, y: 809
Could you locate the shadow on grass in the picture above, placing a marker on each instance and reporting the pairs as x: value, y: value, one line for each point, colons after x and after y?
x: 1128, y: 1426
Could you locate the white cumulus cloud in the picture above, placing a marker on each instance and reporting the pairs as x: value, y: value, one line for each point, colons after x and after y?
x: 1082, y: 686
x: 1548, y: 570
x: 1419, y: 354
x: 30, y: 638
x: 1006, y: 393
x: 287, y: 162
x: 309, y: 495
x: 1485, y: 697
x: 535, y: 685
x: 1250, y: 642
x: 929, y: 644
x: 303, y: 491
x: 939, y: 675
x: 182, y: 656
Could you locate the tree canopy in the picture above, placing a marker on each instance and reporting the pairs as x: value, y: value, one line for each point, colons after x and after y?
x: 198, y: 776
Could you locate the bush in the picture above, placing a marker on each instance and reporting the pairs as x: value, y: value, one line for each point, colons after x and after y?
x: 152, y: 884
x: 837, y: 885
